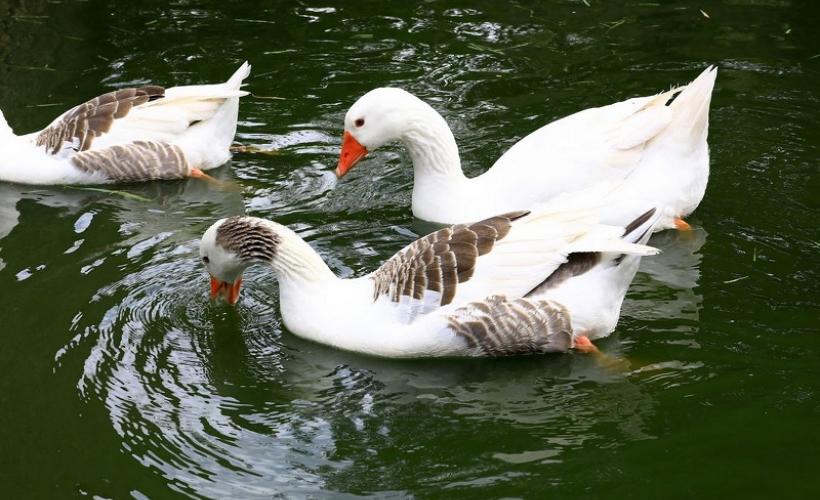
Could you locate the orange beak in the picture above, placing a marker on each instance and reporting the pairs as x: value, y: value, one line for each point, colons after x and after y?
x: 352, y: 152
x: 230, y: 291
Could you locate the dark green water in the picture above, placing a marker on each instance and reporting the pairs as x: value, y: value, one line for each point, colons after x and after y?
x: 119, y: 379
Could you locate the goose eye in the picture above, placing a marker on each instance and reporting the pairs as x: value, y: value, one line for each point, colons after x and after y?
x: 359, y: 122
x: 205, y: 259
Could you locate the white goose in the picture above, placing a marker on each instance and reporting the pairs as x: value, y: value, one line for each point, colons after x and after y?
x: 134, y: 134
x: 523, y: 282
x: 657, y: 143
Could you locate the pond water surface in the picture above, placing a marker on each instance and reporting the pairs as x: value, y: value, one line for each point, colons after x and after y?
x: 118, y: 377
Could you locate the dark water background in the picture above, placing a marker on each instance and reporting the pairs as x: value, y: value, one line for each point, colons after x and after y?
x: 119, y: 379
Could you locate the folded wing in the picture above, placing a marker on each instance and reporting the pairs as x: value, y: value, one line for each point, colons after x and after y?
x: 77, y: 128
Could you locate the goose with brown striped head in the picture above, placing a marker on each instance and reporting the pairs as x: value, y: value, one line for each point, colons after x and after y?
x: 129, y: 135
x: 484, y: 289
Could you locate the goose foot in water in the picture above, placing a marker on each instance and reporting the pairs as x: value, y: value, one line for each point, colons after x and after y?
x: 228, y: 186
x: 612, y: 363
x: 199, y: 174
x: 682, y: 225
x: 583, y: 344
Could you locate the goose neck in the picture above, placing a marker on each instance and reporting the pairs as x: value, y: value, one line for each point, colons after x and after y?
x: 432, y: 147
x: 296, y: 262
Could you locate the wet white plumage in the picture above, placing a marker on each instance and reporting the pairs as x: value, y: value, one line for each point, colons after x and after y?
x: 659, y: 148
x: 199, y: 120
x: 352, y: 314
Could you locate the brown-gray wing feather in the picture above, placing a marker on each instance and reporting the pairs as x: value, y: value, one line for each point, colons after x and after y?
x: 498, y: 326
x: 81, y: 124
x: 137, y: 161
x: 441, y: 260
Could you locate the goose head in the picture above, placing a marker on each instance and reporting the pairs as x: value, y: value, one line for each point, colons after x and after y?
x: 381, y: 116
x: 233, y: 244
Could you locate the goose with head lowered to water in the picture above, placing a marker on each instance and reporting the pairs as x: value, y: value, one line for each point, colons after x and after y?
x: 519, y: 283
x: 657, y: 145
x: 129, y: 135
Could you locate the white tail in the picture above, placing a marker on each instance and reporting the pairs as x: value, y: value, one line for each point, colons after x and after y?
x: 215, y: 91
x: 201, y: 119
x: 235, y: 81
x: 691, y: 108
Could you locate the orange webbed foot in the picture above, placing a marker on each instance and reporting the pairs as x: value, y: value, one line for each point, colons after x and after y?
x: 583, y: 344
x: 199, y: 174
x: 231, y: 186
x: 682, y: 225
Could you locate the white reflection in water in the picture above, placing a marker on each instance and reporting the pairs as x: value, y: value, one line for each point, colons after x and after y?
x: 666, y: 284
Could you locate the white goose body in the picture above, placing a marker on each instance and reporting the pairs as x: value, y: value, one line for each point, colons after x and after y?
x: 658, y: 147
x: 485, y: 289
x: 349, y: 319
x: 129, y: 135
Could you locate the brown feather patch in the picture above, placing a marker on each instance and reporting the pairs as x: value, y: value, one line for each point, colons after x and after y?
x: 498, y: 326
x: 137, y: 161
x: 441, y: 260
x: 81, y: 124
x: 248, y: 239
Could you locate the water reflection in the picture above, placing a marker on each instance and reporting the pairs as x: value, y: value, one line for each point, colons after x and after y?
x: 666, y: 286
x: 11, y: 196
x: 142, y: 221
x: 9, y: 216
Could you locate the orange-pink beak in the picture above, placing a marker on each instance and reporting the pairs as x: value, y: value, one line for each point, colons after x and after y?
x: 352, y: 152
x: 230, y: 291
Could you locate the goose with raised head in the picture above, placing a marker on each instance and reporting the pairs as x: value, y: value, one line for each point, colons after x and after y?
x: 129, y: 135
x: 519, y: 283
x: 657, y: 144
